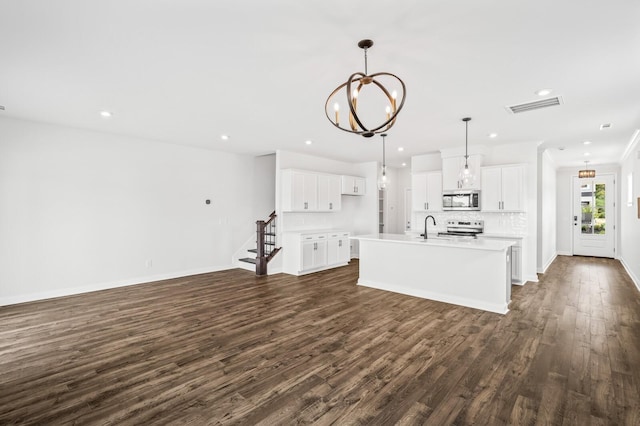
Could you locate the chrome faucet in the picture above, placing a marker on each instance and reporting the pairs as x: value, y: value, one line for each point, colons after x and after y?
x: 425, y: 224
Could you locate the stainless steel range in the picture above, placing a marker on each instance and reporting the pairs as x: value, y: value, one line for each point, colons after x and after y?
x: 463, y: 229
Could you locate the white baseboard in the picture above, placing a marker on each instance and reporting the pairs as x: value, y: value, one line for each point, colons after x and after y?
x: 546, y: 266
x: 635, y: 279
x: 31, y: 297
x: 564, y: 253
x: 531, y: 279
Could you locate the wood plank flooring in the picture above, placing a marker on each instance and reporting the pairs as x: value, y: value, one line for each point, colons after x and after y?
x: 233, y: 348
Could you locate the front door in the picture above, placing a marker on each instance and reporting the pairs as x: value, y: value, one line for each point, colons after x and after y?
x: 593, y: 216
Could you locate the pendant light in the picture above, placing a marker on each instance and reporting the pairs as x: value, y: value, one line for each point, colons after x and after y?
x: 466, y: 176
x: 383, y: 181
x: 586, y: 173
x: 387, y: 113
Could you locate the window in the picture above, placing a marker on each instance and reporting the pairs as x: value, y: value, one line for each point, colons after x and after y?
x: 592, y: 200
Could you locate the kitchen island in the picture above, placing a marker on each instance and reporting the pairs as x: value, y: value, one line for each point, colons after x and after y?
x: 474, y: 273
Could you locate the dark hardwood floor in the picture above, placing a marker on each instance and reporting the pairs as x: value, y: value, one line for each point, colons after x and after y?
x: 231, y: 348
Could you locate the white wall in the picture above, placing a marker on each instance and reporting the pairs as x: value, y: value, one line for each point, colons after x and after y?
x: 564, y: 205
x: 82, y: 210
x: 547, y: 186
x: 629, y: 213
x: 402, y: 182
x: 264, y: 186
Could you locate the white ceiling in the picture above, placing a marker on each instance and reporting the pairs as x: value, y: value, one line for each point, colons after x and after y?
x: 187, y: 71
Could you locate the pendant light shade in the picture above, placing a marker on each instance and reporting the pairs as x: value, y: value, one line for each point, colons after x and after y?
x: 383, y: 180
x: 466, y: 176
x: 586, y: 173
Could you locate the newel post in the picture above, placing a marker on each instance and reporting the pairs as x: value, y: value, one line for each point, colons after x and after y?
x: 261, y: 260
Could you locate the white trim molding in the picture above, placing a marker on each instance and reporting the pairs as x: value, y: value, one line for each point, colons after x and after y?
x: 32, y: 297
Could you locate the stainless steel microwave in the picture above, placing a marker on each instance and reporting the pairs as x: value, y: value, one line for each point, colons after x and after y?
x: 461, y: 199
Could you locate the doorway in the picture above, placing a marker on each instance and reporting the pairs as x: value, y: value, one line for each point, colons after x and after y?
x: 593, y: 216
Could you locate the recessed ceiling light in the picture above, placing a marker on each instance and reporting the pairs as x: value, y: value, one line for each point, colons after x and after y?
x: 586, y: 154
x: 493, y: 135
x: 587, y: 142
x: 605, y: 126
x: 105, y: 114
x: 561, y: 148
x: 404, y: 164
x: 543, y: 92
x: 224, y: 137
x: 308, y: 142
x: 400, y: 149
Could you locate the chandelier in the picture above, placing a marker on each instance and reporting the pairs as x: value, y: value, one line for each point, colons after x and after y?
x: 586, y: 173
x: 384, y: 117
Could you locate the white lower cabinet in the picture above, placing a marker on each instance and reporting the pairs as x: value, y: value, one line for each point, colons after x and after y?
x: 516, y: 256
x: 338, y: 249
x: 312, y: 251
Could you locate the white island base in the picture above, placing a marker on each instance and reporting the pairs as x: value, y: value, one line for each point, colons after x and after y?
x: 473, y: 273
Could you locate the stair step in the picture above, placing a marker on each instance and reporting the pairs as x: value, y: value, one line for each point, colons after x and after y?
x: 273, y: 234
x: 267, y: 253
x: 248, y: 260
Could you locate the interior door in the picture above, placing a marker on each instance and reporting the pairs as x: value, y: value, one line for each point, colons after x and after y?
x: 593, y: 216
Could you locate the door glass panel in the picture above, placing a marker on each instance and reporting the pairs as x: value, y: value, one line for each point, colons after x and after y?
x: 592, y: 202
x: 599, y: 214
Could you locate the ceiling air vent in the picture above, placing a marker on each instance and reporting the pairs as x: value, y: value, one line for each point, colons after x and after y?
x: 530, y: 106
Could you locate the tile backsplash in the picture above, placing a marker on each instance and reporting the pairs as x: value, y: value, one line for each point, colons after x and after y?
x: 494, y: 223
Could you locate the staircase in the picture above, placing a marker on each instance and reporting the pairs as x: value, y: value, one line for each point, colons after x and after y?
x: 265, y: 245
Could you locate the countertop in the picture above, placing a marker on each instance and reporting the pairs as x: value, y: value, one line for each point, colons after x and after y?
x: 434, y: 240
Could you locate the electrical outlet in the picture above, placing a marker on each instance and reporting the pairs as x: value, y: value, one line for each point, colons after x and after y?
x: 149, y: 263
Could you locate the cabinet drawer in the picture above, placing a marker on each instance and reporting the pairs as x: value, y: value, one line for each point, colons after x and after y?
x: 313, y: 237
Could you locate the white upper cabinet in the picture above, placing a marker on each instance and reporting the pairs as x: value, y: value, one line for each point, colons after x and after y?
x: 353, y: 185
x: 503, y: 188
x: 451, y: 167
x: 329, y: 187
x: 304, y: 191
x: 299, y: 191
x: 426, y: 191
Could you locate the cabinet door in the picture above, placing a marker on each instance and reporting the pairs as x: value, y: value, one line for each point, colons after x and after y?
x: 320, y: 254
x: 344, y: 251
x: 332, y: 251
x: 516, y: 264
x: 512, y: 197
x: 304, y: 191
x: 360, y: 185
x: 491, y: 195
x: 419, y: 192
x: 329, y: 193
x: 450, y: 173
x: 308, y: 254
x: 434, y: 191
